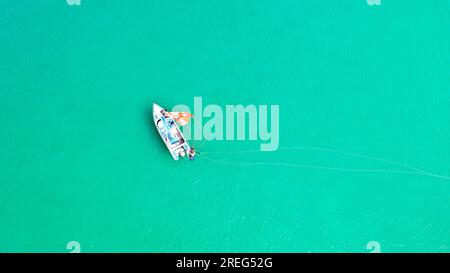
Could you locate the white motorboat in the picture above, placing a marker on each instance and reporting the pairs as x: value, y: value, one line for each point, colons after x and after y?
x: 170, y: 133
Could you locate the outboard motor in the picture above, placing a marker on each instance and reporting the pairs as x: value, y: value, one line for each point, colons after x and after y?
x: 191, y: 154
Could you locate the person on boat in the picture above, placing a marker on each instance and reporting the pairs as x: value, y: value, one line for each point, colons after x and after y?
x: 191, y: 153
x: 165, y: 113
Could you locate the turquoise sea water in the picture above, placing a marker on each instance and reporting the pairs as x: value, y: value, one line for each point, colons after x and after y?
x: 364, y: 96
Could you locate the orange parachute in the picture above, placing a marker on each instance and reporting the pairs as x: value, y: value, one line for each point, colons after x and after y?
x: 181, y: 117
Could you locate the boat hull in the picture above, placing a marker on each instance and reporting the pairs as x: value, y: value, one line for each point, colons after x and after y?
x: 170, y: 133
